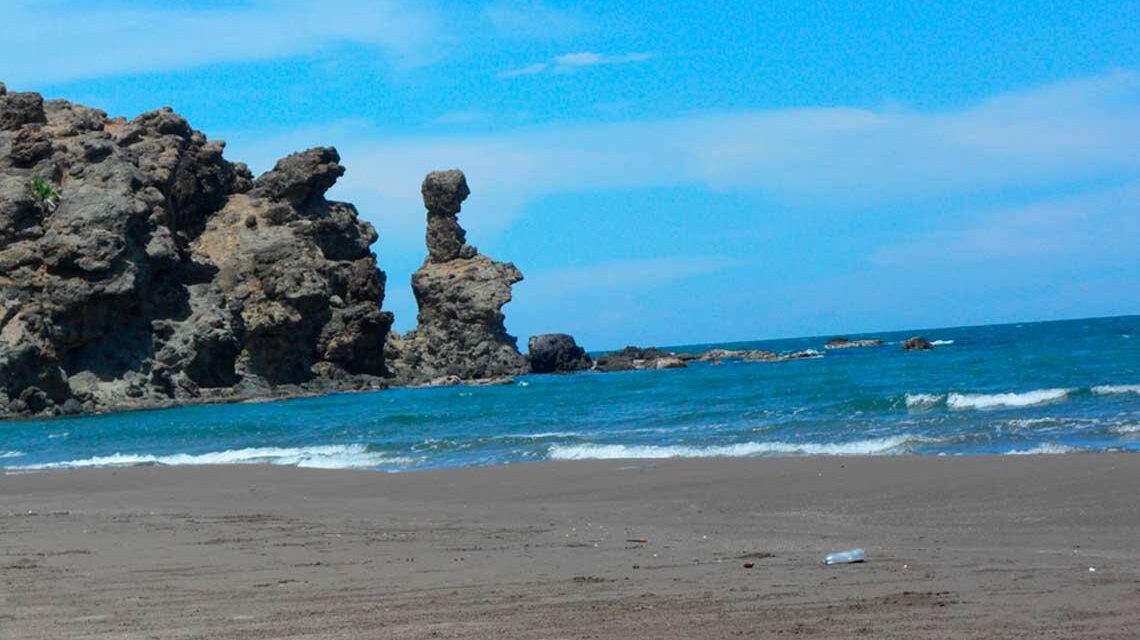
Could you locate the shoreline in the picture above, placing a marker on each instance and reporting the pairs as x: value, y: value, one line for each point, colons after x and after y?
x: 957, y: 546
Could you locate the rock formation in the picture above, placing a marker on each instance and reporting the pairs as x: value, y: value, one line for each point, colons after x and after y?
x: 631, y: 358
x: 917, y: 343
x: 556, y: 353
x: 847, y: 343
x: 460, y: 294
x: 138, y: 267
x: 638, y: 358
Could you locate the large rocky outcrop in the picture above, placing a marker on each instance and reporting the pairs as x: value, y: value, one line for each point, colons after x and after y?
x: 460, y: 294
x: 139, y: 267
x: 556, y: 353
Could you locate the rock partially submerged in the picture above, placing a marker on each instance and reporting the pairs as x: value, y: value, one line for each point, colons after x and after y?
x: 652, y: 358
x: 138, y: 267
x: 716, y: 356
x: 631, y: 358
x: 460, y: 293
x: 917, y: 343
x: 556, y: 353
x: 847, y: 343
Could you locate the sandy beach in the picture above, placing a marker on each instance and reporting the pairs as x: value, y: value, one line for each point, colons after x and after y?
x: 1010, y: 547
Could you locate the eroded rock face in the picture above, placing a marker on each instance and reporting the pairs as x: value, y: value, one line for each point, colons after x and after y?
x: 460, y: 293
x: 556, y: 353
x: 139, y: 267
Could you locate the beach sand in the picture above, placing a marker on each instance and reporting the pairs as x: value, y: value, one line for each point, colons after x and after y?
x: 996, y: 547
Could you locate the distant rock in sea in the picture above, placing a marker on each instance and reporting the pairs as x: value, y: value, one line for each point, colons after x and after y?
x: 138, y: 267
x: 556, y: 353
x: 917, y: 343
x: 846, y: 343
x: 631, y: 358
x: 460, y: 293
x: 652, y: 358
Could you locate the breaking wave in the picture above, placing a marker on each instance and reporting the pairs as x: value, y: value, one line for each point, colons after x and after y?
x: 353, y: 456
x: 1113, y: 389
x: 967, y: 401
x: 922, y: 400
x: 11, y: 454
x: 990, y: 401
x: 878, y: 446
x: 1048, y: 448
x: 941, y: 343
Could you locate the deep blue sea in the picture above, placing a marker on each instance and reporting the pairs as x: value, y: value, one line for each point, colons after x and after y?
x: 1054, y: 387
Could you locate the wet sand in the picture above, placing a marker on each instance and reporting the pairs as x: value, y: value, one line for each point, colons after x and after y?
x: 958, y: 547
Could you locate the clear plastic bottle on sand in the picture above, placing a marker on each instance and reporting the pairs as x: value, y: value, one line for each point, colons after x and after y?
x: 845, y: 557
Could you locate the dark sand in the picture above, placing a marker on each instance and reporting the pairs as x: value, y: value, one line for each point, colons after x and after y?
x: 996, y: 547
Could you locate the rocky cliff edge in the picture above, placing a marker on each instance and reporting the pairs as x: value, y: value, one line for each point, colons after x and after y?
x: 138, y: 267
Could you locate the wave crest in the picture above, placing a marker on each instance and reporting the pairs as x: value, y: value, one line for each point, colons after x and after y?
x: 880, y: 446
x: 961, y: 401
x: 923, y: 400
x: 1114, y: 389
x: 353, y: 456
x: 1048, y: 448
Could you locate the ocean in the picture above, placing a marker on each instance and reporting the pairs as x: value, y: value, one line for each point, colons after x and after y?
x: 1031, y: 388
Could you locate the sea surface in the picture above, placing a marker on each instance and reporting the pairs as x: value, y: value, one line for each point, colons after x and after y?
x: 1033, y: 388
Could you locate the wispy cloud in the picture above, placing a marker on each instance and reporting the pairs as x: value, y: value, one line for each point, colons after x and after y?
x: 568, y: 62
x: 616, y: 292
x: 835, y: 159
x: 932, y: 167
x: 74, y: 40
x: 621, y: 276
x: 1099, y: 225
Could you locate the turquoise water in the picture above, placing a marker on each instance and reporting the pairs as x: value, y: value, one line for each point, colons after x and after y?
x: 1054, y: 387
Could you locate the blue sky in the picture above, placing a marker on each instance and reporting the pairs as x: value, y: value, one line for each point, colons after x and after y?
x: 676, y: 172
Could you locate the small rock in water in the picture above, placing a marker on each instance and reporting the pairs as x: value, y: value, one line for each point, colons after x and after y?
x: 917, y: 343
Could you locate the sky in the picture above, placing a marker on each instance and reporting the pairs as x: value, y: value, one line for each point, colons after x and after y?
x: 668, y: 173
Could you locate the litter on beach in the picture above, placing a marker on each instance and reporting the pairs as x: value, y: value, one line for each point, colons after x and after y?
x: 845, y: 557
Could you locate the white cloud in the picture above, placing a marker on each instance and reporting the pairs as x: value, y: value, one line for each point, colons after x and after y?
x: 1097, y: 226
x: 617, y: 293
x: 842, y: 160
x: 73, y: 40
x: 589, y: 58
x: 623, y: 275
x: 568, y: 62
x: 1065, y: 138
x: 529, y: 70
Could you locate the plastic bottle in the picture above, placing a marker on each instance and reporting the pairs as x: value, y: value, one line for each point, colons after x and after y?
x: 845, y: 557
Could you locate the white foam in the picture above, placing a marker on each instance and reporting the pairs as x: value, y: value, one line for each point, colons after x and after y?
x: 1112, y: 389
x: 541, y: 436
x: 352, y: 456
x: 1049, y: 448
x: 991, y: 401
x: 618, y: 451
x: 11, y: 454
x: 941, y: 343
x: 918, y: 400
x: 1127, y: 428
x: 1029, y: 423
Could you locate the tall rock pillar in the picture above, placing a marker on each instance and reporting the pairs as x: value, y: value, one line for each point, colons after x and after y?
x: 460, y: 294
